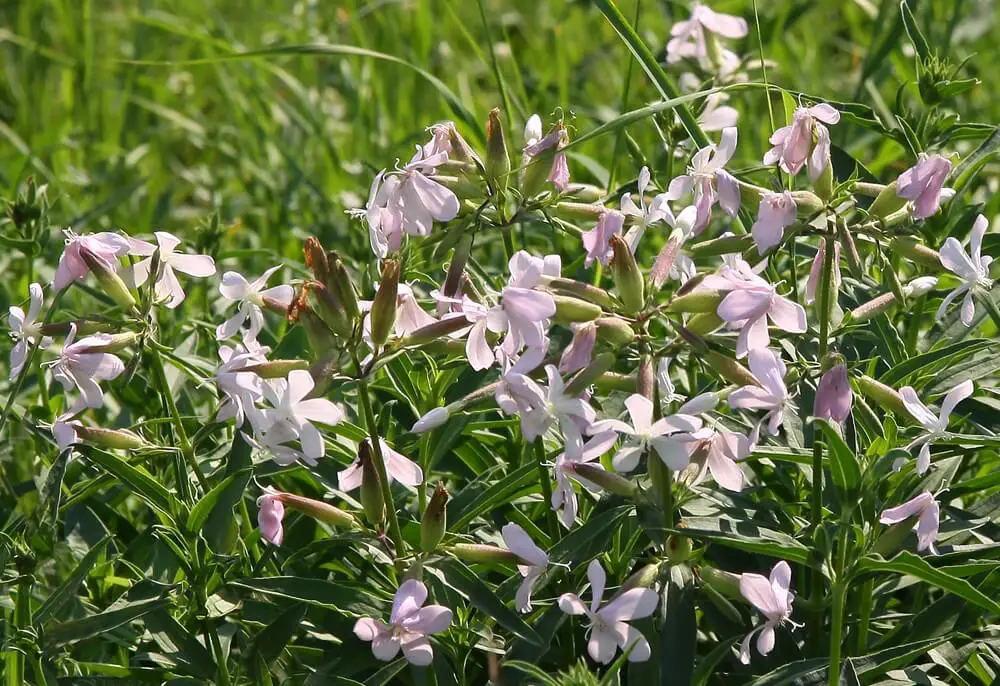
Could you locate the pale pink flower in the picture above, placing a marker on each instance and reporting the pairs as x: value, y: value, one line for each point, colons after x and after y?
x: 26, y: 329
x: 522, y: 313
x: 580, y: 351
x: 78, y: 366
x: 689, y: 39
x: 408, y: 628
x: 534, y: 562
x: 563, y: 496
x: 815, y: 280
x: 270, y: 513
x: 719, y: 452
x: 167, y: 287
x: 528, y: 271
x: 419, y: 199
x: 717, y: 116
x: 385, y: 221
x: 398, y: 467
x: 775, y: 214
x: 540, y: 407
x: 556, y: 138
x: 771, y: 394
x: 772, y: 597
x: 793, y: 144
x: 972, y: 267
x: 644, y: 215
x: 292, y: 414
x: 251, y: 297
x: 239, y: 388
x: 104, y: 248
x: 750, y: 302
x: 935, y: 427
x: 928, y: 514
x: 834, y: 396
x: 597, y: 241
x: 709, y: 182
x: 609, y: 628
x: 645, y: 434
x: 923, y: 184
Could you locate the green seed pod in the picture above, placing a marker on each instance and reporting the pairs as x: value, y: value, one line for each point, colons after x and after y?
x: 910, y: 247
x: 609, y: 481
x: 806, y: 203
x: 644, y: 577
x: 578, y: 289
x: 486, y: 554
x: 590, y: 374
x: 371, y: 491
x: 435, y: 519
x: 824, y: 184
x: 731, y: 370
x: 885, y: 396
x: 383, y: 312
x: 116, y: 439
x: 321, y: 511
x: 497, y: 159
x: 276, y: 369
x: 614, y: 331
x: 701, y: 300
x: 328, y: 306
x: 570, y: 310
x: 342, y: 284
x: 628, y: 278
x: 704, y: 323
x: 726, y: 583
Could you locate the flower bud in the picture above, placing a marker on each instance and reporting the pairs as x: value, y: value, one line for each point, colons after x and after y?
x: 580, y: 211
x: 823, y: 184
x: 543, y: 162
x: 729, y: 369
x: 578, y: 289
x: 833, y: 395
x: 885, y: 396
x: 910, y: 247
x: 922, y: 285
x: 371, y: 489
x: 486, y: 554
x: 726, y: 583
x: 432, y: 420
x: 67, y: 433
x: 456, y: 269
x: 589, y: 374
x: 806, y: 203
x: 886, y: 202
x: 435, y: 519
x: 342, y: 284
x: 609, y: 481
x: 665, y: 259
x: 721, y: 246
x: 570, y: 310
x: 383, y: 312
x: 644, y: 577
x: 327, y: 305
x: 614, y: 331
x: 433, y: 332
x: 497, y: 159
x: 109, y: 279
x: 704, y: 323
x: 585, y: 192
x: 678, y: 548
x: 276, y: 369
x: 320, y: 510
x: 316, y: 260
x: 628, y: 279
x: 699, y: 300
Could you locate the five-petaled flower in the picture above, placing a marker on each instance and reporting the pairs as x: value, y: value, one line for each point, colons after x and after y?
x: 934, y: 427
x: 26, y: 329
x: 81, y: 365
x: 167, y: 287
x: 772, y: 597
x: 408, y: 627
x: 709, y: 182
x: 292, y: 414
x: 563, y: 496
x: 644, y: 434
x: 644, y: 215
x: 771, y: 395
x: 609, y: 628
x: 973, y: 268
x: 928, y: 513
x: 251, y: 296
x: 794, y: 145
x: 534, y: 562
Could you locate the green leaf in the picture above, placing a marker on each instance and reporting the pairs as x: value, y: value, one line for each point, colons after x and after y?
x: 180, y: 646
x: 94, y: 625
x: 68, y: 588
x: 920, y: 44
x: 342, y: 597
x: 843, y: 462
x: 141, y: 482
x: 678, y: 634
x: 273, y: 638
x: 744, y: 535
x: 908, y: 563
x: 386, y: 674
x: 465, y: 581
x: 51, y: 493
x: 942, y: 356
x: 532, y: 670
x: 975, y: 161
x: 487, y: 493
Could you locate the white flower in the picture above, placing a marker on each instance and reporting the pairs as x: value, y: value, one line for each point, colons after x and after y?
x: 80, y: 367
x: 563, y: 496
x: 719, y: 452
x: 709, y: 182
x: 534, y: 558
x: 644, y: 434
x: 773, y: 599
x: 771, y: 395
x: 291, y: 416
x: 26, y: 329
x: 240, y: 389
x: 398, y: 467
x: 409, y: 625
x: 609, y: 628
x: 540, y: 407
x: 251, y: 296
x: 645, y: 215
x: 168, y: 288
x: 934, y: 427
x: 973, y: 268
x: 928, y: 514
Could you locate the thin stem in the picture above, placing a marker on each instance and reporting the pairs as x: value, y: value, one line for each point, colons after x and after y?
x: 543, y: 480
x: 379, y: 461
x: 839, y: 597
x: 22, y: 618
x: 187, y: 449
x: 864, y: 617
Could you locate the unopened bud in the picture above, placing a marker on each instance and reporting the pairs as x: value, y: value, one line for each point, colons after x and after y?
x: 486, y: 554
x: 320, y: 511
x: 609, y: 481
x: 834, y: 396
x: 590, y: 374
x: 582, y: 211
x: 921, y: 285
x: 342, y: 284
x: 116, y: 439
x: 910, y: 247
x: 678, y: 548
x: 645, y: 377
x: 585, y: 192
x: 704, y: 323
x: 456, y: 269
x: 570, y: 310
x: 888, y: 398
x: 886, y: 202
x: 721, y: 246
x: 320, y: 336
x: 432, y: 332
x: 614, y: 331
x: 327, y: 305
x: 726, y: 583
x: 699, y: 300
x: 371, y: 490
x: 435, y: 520
x: 578, y: 289
x: 665, y: 259
x: 883, y: 303
x: 644, y: 577
x: 729, y: 369
x: 432, y: 420
x: 111, y: 342
x: 628, y: 278
x: 497, y: 159
x: 316, y: 260
x: 275, y: 369
x: 823, y: 185
x: 383, y: 312
x: 806, y: 203
x: 109, y: 279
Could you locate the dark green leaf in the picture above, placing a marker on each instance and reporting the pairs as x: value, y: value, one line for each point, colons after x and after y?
x: 908, y: 563
x: 844, y: 467
x: 744, y: 535
x: 465, y: 581
x: 68, y: 588
x: 94, y: 625
x: 344, y: 598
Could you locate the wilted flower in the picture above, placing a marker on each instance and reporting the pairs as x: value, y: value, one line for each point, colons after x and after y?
x: 923, y: 184
x: 775, y: 214
x: 709, y: 182
x: 597, y: 241
x: 771, y: 395
x: 973, y: 268
x: 26, y: 329
x: 251, y: 296
x: 101, y: 248
x: 644, y: 434
x: 270, y: 513
x: 563, y: 496
x: 934, y: 427
x: 773, y: 599
x: 408, y: 628
x: 78, y: 366
x: 609, y: 628
x: 534, y: 562
x: 834, y: 396
x: 398, y: 467
x: 814, y: 282
x: 167, y: 287
x: 291, y: 415
x: 793, y: 144
x: 928, y: 514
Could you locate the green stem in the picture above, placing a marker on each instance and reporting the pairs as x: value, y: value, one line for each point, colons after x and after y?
x: 543, y: 479
x: 379, y: 460
x: 187, y: 449
x: 839, y: 597
x: 14, y: 659
x: 864, y: 617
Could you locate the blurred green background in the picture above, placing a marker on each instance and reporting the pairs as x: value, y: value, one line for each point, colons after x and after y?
x: 138, y: 116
